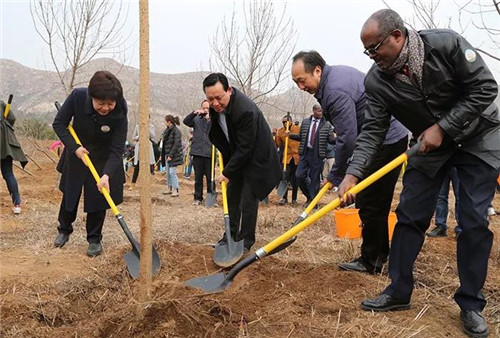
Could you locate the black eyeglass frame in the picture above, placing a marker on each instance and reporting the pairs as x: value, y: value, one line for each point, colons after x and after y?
x: 374, y: 50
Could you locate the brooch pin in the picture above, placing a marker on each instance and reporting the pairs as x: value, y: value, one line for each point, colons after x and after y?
x: 105, y: 129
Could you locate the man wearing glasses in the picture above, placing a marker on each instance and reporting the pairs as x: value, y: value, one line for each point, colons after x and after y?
x: 436, y: 84
x: 341, y: 93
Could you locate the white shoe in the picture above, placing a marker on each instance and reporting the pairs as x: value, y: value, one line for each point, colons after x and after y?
x: 491, y: 211
x: 16, y: 209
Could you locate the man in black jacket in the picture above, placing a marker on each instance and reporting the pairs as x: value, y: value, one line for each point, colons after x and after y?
x: 251, y: 164
x: 315, y: 133
x: 436, y: 84
x: 201, y: 149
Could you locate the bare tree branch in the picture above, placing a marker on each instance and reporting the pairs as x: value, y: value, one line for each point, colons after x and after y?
x: 255, y: 51
x: 75, y: 32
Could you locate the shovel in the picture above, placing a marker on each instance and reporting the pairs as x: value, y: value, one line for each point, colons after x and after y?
x: 221, y: 281
x: 283, y: 185
x: 229, y: 253
x: 302, y: 216
x: 132, y: 258
x: 212, y: 196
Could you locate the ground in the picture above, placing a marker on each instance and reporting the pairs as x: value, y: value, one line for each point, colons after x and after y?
x: 300, y: 292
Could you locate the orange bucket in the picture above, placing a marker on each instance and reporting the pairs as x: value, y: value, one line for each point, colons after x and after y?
x: 391, y: 223
x: 348, y: 224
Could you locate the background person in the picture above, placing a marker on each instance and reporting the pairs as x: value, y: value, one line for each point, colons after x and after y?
x: 171, y: 153
x: 292, y: 157
x: 135, y: 138
x: 201, y: 149
x: 10, y: 150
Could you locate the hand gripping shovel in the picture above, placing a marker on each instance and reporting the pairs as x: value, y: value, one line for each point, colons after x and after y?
x: 222, y: 280
x: 212, y: 196
x: 283, y: 185
x: 229, y: 253
x: 132, y: 258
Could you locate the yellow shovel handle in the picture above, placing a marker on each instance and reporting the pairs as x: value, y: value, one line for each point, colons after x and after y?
x: 223, y: 187
x: 285, y: 153
x: 7, y: 107
x: 104, y: 191
x: 335, y: 203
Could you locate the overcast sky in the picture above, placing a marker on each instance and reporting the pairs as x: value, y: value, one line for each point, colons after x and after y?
x: 180, y: 31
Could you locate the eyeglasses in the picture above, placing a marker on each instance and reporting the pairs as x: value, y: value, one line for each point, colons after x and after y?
x: 374, y: 50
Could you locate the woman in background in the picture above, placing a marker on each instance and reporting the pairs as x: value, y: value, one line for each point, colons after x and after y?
x: 10, y: 151
x: 171, y: 153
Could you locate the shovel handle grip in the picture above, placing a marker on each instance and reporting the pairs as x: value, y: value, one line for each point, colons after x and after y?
x: 223, y: 186
x: 7, y: 107
x: 104, y: 191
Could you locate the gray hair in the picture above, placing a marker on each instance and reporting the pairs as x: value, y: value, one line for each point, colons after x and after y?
x: 388, y: 20
x: 316, y: 107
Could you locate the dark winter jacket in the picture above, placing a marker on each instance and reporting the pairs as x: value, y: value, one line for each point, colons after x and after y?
x: 250, y: 153
x: 9, y: 145
x: 104, y: 137
x: 341, y: 94
x: 172, y: 147
x: 458, y: 94
x: 201, y: 145
x: 323, y: 136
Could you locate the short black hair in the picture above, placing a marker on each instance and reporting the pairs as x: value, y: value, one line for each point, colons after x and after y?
x: 311, y: 59
x: 213, y: 78
x: 105, y: 86
x: 388, y: 20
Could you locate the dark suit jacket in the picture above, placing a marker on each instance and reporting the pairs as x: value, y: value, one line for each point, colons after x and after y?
x: 104, y: 137
x: 250, y: 153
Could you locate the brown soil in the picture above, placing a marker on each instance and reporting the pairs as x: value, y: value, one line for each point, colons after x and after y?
x: 48, y: 292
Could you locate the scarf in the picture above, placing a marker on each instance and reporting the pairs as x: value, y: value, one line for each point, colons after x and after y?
x: 410, y: 59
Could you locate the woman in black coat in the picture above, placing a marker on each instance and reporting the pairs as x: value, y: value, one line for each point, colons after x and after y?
x: 99, y: 115
x: 171, y: 153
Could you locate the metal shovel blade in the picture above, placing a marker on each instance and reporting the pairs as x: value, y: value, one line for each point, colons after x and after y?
x: 229, y: 253
x: 211, y: 199
x: 132, y: 260
x: 282, y: 187
x: 210, y: 284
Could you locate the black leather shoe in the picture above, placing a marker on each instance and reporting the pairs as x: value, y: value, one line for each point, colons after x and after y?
x: 474, y: 324
x: 283, y: 202
x: 60, y: 240
x: 438, y: 231
x: 94, y: 249
x: 358, y: 265
x: 385, y: 303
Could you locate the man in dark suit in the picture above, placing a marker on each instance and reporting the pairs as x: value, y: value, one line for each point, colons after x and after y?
x: 315, y: 133
x: 251, y: 164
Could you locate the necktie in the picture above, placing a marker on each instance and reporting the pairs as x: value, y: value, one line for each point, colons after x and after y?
x: 313, y: 132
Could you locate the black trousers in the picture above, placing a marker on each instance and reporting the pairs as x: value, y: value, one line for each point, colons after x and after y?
x: 94, y: 223
x: 291, y: 168
x: 374, y: 205
x: 416, y: 207
x: 243, y: 206
x: 309, y: 172
x: 135, y: 175
x: 202, y: 167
